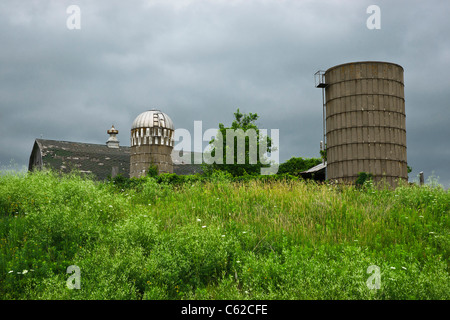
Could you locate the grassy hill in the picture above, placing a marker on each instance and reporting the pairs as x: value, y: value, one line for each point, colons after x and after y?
x: 220, y: 239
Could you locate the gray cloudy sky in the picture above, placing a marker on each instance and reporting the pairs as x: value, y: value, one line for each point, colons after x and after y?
x: 203, y: 59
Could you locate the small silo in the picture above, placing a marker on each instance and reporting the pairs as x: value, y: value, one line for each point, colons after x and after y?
x: 152, y: 139
x: 365, y: 121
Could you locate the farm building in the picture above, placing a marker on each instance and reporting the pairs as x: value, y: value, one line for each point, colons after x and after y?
x: 96, y: 159
x: 110, y: 159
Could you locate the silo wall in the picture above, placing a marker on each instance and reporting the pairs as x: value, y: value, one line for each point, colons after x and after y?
x: 366, y: 122
x: 151, y: 146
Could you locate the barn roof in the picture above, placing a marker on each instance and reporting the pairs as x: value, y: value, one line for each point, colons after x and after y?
x: 319, y: 167
x: 316, y: 172
x: 96, y: 159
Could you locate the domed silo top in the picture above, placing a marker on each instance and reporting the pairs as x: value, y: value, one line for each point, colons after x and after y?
x: 152, y: 127
x: 152, y: 118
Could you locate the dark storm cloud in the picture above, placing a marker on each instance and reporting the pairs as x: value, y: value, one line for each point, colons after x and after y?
x: 201, y: 60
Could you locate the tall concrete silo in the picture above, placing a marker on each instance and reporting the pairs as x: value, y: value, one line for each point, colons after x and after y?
x: 152, y: 139
x: 365, y: 121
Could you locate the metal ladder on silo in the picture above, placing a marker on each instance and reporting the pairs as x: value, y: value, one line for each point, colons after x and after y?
x: 319, y: 81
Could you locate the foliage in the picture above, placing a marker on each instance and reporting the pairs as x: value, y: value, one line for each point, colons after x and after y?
x: 243, y: 125
x: 323, y: 153
x: 295, y: 166
x: 153, y: 171
x: 362, y: 178
x: 217, y: 237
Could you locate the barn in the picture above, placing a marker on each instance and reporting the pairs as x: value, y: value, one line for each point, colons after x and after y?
x: 99, y: 160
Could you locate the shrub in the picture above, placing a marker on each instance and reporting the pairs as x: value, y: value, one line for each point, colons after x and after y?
x: 362, y: 178
x: 261, y: 237
x: 153, y: 171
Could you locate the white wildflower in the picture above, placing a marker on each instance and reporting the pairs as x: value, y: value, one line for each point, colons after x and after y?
x: 403, y: 268
x: 198, y: 220
x: 393, y: 268
x: 203, y: 226
x: 24, y: 271
x: 11, y: 271
x: 223, y: 235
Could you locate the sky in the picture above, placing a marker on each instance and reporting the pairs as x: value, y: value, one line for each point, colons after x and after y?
x: 70, y: 79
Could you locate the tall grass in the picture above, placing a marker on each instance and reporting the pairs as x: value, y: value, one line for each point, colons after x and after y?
x: 220, y: 239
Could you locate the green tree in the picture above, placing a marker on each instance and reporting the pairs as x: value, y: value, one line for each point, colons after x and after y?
x: 236, y: 149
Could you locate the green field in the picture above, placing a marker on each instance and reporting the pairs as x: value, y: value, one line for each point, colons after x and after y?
x: 220, y: 239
